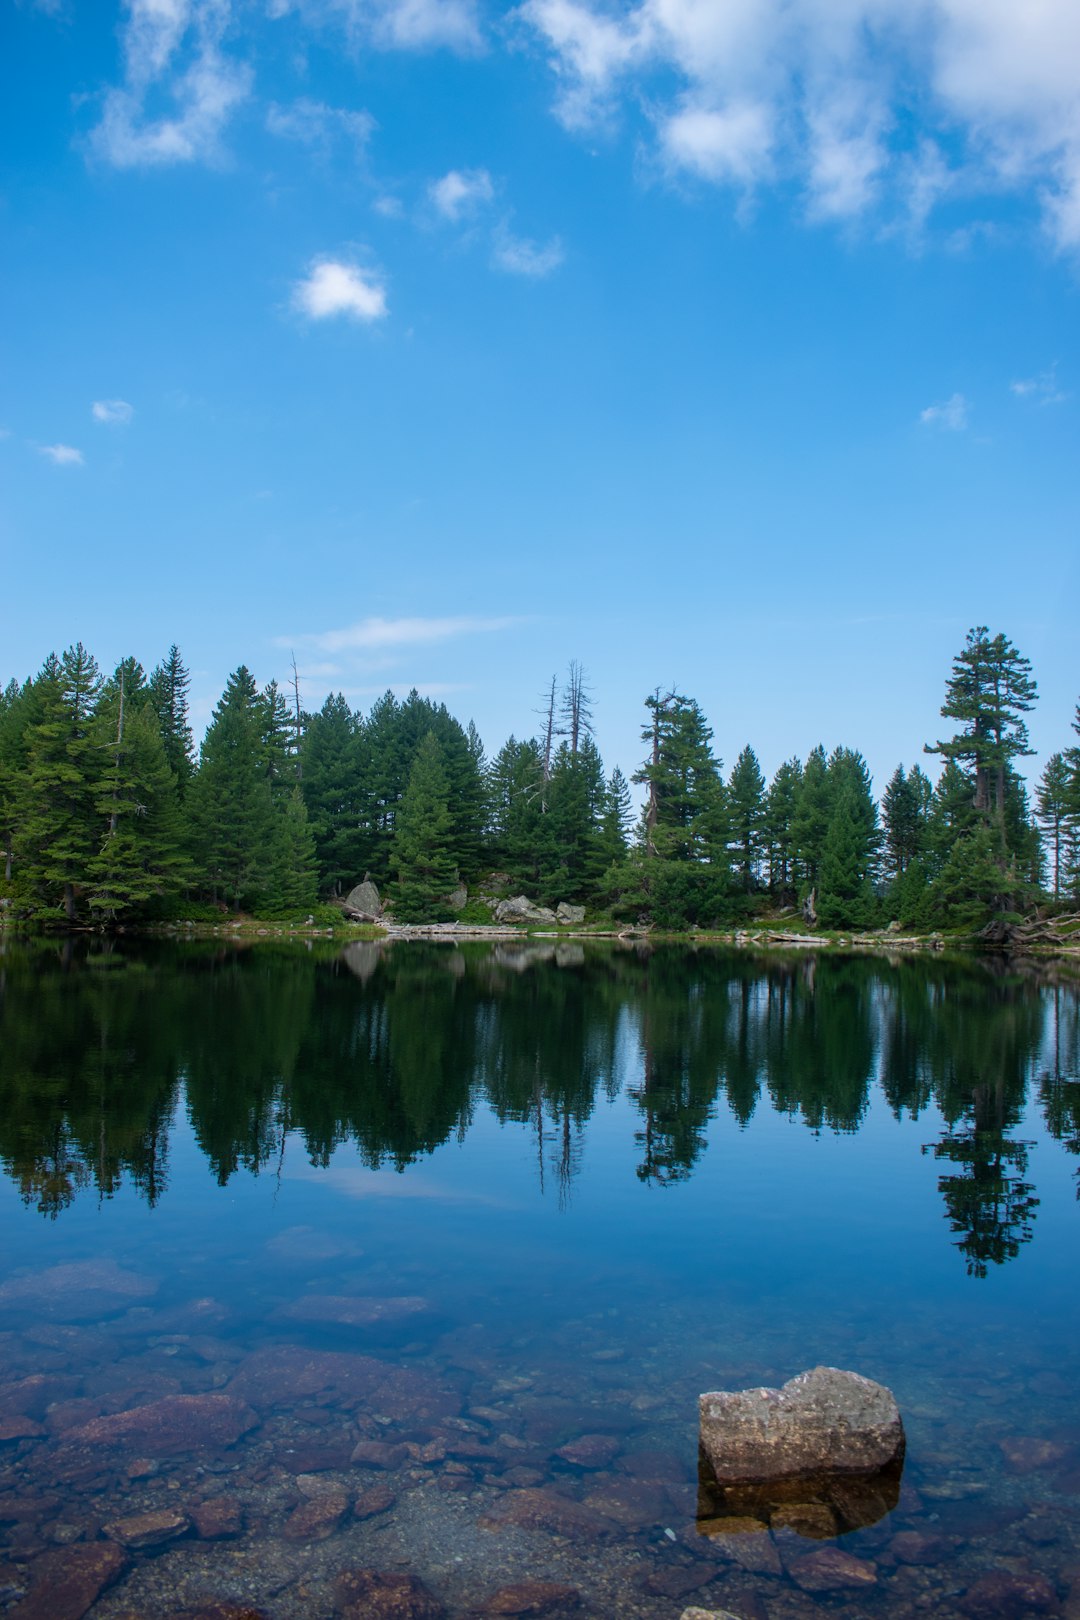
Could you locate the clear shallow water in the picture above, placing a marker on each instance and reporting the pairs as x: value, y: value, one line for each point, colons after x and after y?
x: 479, y: 1204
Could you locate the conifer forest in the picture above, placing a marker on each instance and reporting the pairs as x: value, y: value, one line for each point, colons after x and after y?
x: 109, y: 814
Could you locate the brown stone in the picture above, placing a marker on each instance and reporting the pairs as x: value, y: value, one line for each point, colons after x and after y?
x: 815, y: 1521
x: 177, y: 1423
x: 77, y: 1291
x: 286, y: 1374
x: 68, y: 1581
x: 31, y: 1397
x: 532, y: 1598
x: 655, y: 1464
x: 545, y: 1510
x: 218, y: 1518
x: 20, y: 1428
x: 635, y: 1503
x: 590, y: 1451
x: 345, y: 1311
x: 830, y: 1570
x: 745, y: 1542
x: 1025, y: 1454
x: 369, y: 1594
x: 1004, y: 1595
x: 915, y: 1547
x: 677, y: 1580
x: 379, y: 1454
x: 222, y: 1611
x: 376, y: 1500
x: 318, y: 1517
x: 142, y: 1530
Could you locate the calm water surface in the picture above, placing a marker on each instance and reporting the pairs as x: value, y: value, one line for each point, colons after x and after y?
x: 334, y: 1257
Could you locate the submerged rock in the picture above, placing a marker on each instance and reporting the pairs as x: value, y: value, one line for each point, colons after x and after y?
x: 527, y: 1598
x: 177, y: 1423
x: 67, y: 1582
x: 142, y: 1530
x: 344, y: 1310
x: 370, y: 1594
x: 84, y: 1290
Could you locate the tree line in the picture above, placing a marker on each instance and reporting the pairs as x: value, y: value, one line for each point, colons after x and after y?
x: 108, y: 813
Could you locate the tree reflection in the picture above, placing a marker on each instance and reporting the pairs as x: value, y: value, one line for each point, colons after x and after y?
x: 392, y: 1048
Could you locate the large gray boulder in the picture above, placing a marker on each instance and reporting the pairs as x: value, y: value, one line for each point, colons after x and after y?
x: 569, y: 915
x: 520, y: 910
x: 363, y: 903
x: 822, y: 1422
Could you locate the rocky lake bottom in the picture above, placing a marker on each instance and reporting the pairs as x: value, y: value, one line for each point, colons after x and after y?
x: 459, y: 1375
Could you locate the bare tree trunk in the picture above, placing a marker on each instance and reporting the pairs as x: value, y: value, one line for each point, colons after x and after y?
x: 298, y: 721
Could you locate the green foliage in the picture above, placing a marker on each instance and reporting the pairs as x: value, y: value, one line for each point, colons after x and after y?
x: 746, y: 807
x: 423, y: 853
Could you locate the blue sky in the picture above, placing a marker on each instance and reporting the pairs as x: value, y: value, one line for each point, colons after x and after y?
x: 723, y: 344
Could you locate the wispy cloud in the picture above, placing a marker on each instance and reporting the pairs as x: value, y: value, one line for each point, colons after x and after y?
x: 408, y: 25
x: 951, y: 415
x: 112, y: 412
x: 1041, y: 390
x: 173, y: 53
x: 461, y: 193
x: 372, y: 635
x: 63, y: 455
x: 519, y: 256
x: 334, y: 287
x: 820, y: 95
x: 318, y: 126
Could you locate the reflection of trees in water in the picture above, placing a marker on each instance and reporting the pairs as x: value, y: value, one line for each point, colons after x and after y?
x: 1059, y: 1081
x: 391, y: 1047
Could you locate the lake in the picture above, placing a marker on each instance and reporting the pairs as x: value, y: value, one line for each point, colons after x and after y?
x: 383, y: 1279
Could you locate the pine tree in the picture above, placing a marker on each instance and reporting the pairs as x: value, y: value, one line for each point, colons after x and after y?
x: 332, y: 780
x: 810, y: 822
x: 846, y: 898
x: 746, y: 801
x: 169, y: 685
x: 57, y: 818
x: 515, y: 804
x: 778, y: 833
x: 231, y: 802
x: 423, y: 857
x: 905, y: 810
x: 293, y: 868
x: 141, y: 856
x: 989, y: 692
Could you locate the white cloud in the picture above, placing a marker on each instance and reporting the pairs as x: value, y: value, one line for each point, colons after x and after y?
x: 332, y: 287
x: 172, y: 52
x: 731, y: 143
x: 519, y: 256
x: 839, y: 96
x: 317, y: 125
x: 112, y: 412
x: 1041, y: 390
x: 63, y: 455
x: 409, y: 25
x: 376, y: 634
x: 951, y: 414
x: 389, y: 207
x: 461, y: 192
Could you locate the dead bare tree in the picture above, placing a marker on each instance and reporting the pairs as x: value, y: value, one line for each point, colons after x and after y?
x: 576, y: 707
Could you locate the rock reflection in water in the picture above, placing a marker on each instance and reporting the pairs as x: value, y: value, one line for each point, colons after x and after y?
x: 817, y: 1506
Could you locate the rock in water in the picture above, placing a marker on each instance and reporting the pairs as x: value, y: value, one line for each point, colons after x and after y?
x: 824, y: 1421
x: 831, y: 1442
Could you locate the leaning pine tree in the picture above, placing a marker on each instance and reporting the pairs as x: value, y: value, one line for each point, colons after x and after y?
x: 422, y: 856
